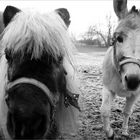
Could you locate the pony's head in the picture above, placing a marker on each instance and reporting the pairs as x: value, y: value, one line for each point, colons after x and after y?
x: 34, y: 46
x: 126, y: 43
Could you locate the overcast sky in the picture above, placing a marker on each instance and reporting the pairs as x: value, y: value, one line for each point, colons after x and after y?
x: 83, y: 13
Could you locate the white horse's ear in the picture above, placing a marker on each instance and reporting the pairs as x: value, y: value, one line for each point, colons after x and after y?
x: 120, y: 8
x: 9, y: 13
x: 64, y: 14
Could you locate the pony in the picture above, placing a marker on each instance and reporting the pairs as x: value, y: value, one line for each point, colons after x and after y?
x: 121, y: 66
x: 38, y: 85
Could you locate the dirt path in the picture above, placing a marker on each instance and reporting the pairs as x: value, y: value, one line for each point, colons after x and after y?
x: 91, y: 127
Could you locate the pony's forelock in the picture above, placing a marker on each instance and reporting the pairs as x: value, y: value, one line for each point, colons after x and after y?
x: 35, y: 33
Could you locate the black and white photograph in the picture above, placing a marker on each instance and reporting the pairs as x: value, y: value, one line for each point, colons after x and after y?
x: 70, y: 70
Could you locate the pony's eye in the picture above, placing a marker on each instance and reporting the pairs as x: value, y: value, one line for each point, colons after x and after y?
x: 8, y: 58
x: 120, y: 39
x: 8, y: 55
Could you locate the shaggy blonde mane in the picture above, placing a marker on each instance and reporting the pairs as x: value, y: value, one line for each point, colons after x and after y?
x: 35, y: 33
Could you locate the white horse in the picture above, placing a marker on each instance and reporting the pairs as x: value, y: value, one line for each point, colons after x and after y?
x: 121, y: 66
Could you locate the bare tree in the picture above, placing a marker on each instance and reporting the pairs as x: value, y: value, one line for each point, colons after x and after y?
x: 110, y: 29
x: 96, y: 32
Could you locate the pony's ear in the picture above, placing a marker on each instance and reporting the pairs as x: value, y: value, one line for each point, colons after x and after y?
x: 9, y: 13
x: 120, y: 8
x: 64, y: 14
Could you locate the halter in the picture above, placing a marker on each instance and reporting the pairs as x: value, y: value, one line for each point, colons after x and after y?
x: 52, y: 99
x: 118, y: 64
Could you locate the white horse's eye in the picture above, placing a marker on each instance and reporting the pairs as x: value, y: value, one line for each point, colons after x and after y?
x: 120, y: 39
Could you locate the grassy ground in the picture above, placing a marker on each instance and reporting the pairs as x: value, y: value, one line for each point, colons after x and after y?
x: 90, y: 75
x: 90, y: 49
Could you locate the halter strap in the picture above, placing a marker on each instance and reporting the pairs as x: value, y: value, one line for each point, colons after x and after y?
x: 34, y: 82
x: 116, y: 63
x: 123, y: 62
x: 130, y: 60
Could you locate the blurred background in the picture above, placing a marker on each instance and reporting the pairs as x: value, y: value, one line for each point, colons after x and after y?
x: 92, y: 21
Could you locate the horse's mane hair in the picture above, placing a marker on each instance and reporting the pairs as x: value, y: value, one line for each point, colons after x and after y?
x: 134, y: 10
x: 35, y: 33
x: 130, y: 22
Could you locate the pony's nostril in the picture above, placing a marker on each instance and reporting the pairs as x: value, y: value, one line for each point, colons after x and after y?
x: 132, y: 82
x: 125, y: 78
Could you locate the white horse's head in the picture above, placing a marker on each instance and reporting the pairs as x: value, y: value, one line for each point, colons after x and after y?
x: 127, y: 45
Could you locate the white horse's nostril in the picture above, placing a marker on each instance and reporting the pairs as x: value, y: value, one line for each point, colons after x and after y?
x: 132, y: 81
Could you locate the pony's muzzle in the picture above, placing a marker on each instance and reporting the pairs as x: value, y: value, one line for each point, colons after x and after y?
x: 132, y: 81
